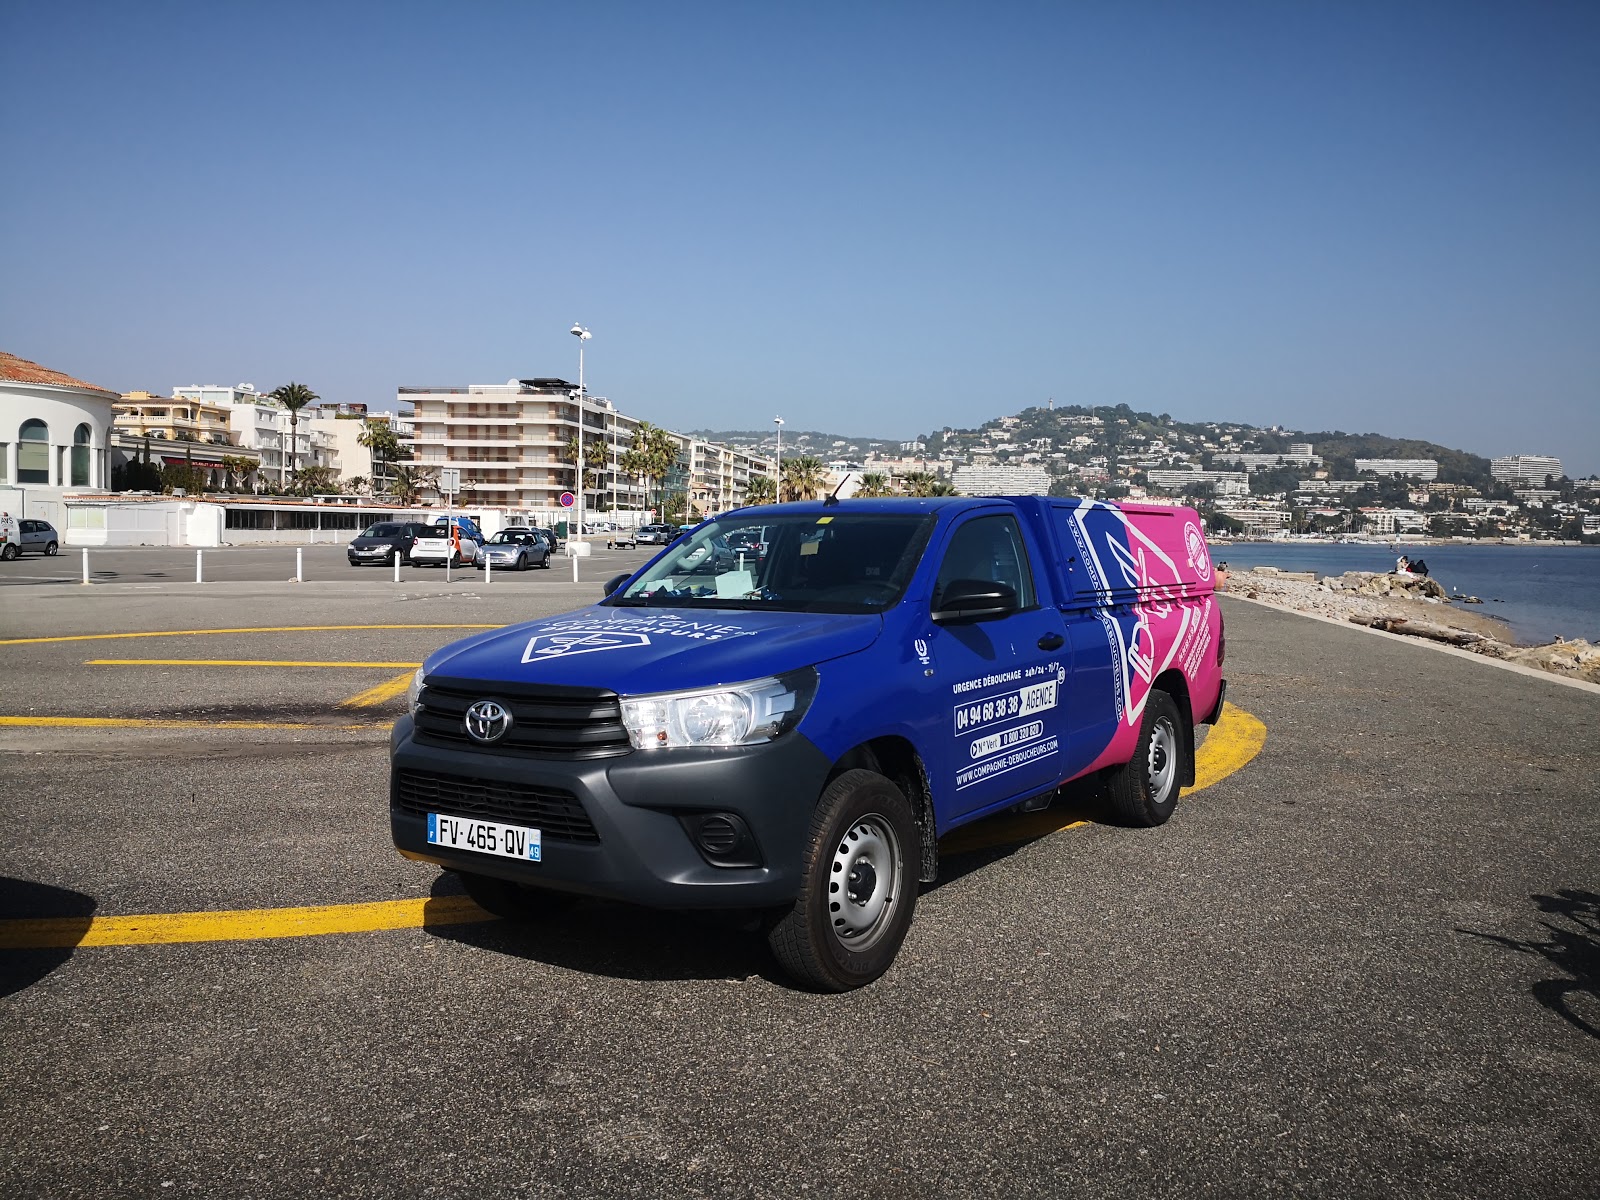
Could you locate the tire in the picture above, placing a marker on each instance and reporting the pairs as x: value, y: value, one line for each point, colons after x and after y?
x: 847, y: 923
x: 512, y: 901
x: 544, y: 563
x: 1144, y: 791
x: 522, y: 563
x: 8, y: 551
x: 455, y: 562
x: 52, y: 549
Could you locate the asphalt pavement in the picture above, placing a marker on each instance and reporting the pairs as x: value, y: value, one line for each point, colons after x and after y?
x: 1366, y: 964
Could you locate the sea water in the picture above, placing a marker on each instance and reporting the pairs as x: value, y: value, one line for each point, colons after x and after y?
x: 1543, y: 592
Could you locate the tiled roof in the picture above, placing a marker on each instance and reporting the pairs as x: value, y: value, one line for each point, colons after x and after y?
x: 20, y: 370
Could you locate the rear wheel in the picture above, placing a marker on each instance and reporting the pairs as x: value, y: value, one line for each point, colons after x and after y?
x: 8, y: 551
x: 512, y: 901
x: 858, y: 886
x: 1144, y: 791
x: 52, y: 548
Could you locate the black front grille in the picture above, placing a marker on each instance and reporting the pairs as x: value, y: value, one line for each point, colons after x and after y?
x: 556, y: 813
x: 546, y: 722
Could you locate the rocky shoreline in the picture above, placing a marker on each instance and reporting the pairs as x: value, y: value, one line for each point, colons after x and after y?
x: 1412, y: 605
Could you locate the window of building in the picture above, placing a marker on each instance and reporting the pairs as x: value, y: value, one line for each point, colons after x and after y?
x: 81, y: 438
x: 33, y: 452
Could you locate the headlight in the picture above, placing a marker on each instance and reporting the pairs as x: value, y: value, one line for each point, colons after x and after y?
x: 741, y: 715
x: 414, y: 693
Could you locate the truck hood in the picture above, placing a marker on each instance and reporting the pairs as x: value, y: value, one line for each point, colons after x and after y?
x: 633, y: 651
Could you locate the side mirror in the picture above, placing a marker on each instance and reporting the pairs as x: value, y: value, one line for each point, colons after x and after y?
x: 975, y: 600
x: 617, y: 581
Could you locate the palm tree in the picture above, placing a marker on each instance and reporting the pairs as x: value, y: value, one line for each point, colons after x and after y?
x: 236, y: 467
x: 651, y: 456
x: 760, y: 490
x: 917, y: 483
x: 292, y: 396
x: 940, y: 487
x: 380, y: 438
x: 803, y: 478
x: 874, y: 486
x: 408, y: 483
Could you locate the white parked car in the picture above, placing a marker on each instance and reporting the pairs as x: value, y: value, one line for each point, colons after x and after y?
x: 435, y: 546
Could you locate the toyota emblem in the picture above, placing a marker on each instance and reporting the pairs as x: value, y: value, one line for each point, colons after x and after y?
x: 487, y: 721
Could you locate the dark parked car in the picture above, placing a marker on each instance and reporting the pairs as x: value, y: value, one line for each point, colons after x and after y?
x: 515, y: 550
x: 379, y: 543
x: 39, y: 537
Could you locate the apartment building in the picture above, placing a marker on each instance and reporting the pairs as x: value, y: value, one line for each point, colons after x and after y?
x: 1425, y: 469
x: 143, y: 414
x: 510, y: 442
x: 1524, y: 468
x: 260, y: 426
x: 1002, y: 481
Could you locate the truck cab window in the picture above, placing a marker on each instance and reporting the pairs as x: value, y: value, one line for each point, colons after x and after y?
x: 989, y: 549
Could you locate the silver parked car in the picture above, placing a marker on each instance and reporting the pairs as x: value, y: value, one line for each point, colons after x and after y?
x: 514, y: 550
x: 37, y: 537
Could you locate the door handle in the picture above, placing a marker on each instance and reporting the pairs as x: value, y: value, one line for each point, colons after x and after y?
x: 1052, y: 641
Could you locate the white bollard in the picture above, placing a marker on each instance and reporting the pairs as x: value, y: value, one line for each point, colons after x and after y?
x: 397, y: 566
x: 299, y: 565
x: 86, y: 564
x: 574, y: 566
x: 488, y: 568
x: 199, y: 568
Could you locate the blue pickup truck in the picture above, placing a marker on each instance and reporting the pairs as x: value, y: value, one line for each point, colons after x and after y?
x: 791, y: 732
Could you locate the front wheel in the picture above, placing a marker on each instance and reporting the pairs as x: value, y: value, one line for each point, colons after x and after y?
x: 858, y: 886
x: 1144, y: 791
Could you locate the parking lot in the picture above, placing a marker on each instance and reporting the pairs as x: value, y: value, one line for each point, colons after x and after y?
x: 324, y: 561
x: 1362, y: 964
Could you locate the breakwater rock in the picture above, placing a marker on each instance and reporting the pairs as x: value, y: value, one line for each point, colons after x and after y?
x: 1413, y: 605
x: 1372, y: 583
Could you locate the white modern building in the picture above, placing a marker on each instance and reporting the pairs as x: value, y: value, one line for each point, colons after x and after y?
x: 1425, y: 469
x: 1525, y: 468
x: 259, y: 424
x: 1298, y: 455
x: 1002, y: 481
x: 55, y: 437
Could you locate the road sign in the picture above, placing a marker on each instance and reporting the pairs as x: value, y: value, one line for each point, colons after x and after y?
x: 450, y: 480
x: 567, y: 499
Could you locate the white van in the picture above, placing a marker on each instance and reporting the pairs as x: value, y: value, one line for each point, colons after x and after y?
x: 10, y: 536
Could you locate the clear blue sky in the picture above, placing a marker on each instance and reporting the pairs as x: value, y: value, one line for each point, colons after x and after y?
x: 870, y: 218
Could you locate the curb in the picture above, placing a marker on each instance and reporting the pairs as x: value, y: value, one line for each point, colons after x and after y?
x: 1424, y: 644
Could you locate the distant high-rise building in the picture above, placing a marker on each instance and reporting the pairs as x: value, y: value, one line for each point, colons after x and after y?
x: 1002, y: 481
x: 1524, y: 468
x: 1425, y: 469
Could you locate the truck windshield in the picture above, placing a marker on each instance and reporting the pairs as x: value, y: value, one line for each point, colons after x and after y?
x: 837, y: 562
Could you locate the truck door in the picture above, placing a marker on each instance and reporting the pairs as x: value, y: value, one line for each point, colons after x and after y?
x: 1002, y: 677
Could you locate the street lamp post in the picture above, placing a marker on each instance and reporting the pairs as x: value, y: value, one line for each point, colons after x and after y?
x: 777, y: 483
x: 583, y: 335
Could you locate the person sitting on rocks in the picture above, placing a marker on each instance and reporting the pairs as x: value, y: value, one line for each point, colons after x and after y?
x: 1402, y: 566
x: 1419, y: 567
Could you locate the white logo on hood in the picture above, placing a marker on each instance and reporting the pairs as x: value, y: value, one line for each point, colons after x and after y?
x: 543, y: 646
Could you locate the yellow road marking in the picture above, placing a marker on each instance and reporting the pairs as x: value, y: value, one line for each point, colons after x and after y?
x: 160, y: 723
x: 160, y: 633
x: 238, y: 662
x: 385, y: 691
x: 249, y: 924
x: 1234, y: 740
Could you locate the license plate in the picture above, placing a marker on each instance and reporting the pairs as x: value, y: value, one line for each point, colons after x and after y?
x: 485, y: 837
